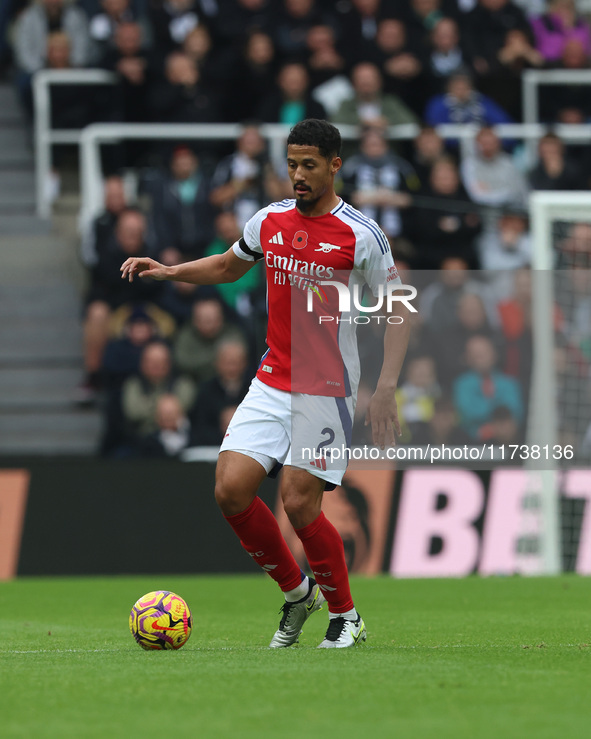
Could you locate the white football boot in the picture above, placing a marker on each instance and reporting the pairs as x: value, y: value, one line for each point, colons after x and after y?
x: 342, y: 633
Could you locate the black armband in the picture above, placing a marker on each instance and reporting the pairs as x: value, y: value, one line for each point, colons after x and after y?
x: 247, y: 250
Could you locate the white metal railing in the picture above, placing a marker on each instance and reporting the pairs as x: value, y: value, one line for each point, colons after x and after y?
x: 99, y: 133
x: 45, y: 136
x: 532, y: 79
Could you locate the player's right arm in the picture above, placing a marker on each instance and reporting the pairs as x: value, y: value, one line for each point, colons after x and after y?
x: 213, y: 270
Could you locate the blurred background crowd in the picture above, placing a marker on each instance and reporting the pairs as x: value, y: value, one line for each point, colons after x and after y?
x: 169, y: 362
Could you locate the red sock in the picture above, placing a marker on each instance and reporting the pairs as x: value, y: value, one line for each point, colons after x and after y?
x: 259, y: 534
x: 326, y: 556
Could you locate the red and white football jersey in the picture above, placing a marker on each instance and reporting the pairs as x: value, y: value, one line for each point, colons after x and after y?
x: 312, y: 346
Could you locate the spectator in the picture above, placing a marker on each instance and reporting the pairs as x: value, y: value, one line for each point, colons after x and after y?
x: 448, y: 225
x: 172, y: 21
x: 31, y: 32
x: 568, y: 103
x: 100, y: 231
x: 253, y: 78
x: 486, y: 29
x: 141, y: 392
x: 122, y: 355
x: 324, y: 61
x: 129, y: 59
x: 439, y: 301
x: 446, y: 55
x: 489, y: 175
x: 443, y: 426
x: 516, y: 55
x: 173, y: 430
x: 196, y: 343
x: 245, y: 181
x: 103, y: 26
x: 378, y: 182
x: 239, y: 296
x: 291, y: 102
x: 38, y: 21
x: 182, y: 215
x: 400, y: 65
x: 216, y: 63
x: 226, y: 389
x: 369, y: 105
x: 416, y: 397
x: 554, y: 171
x: 108, y: 292
x: 428, y: 147
x: 178, y: 298
x: 478, y: 392
x: 360, y: 22
x: 574, y: 250
x: 557, y: 27
x: 421, y: 18
x: 449, y: 346
x: 181, y: 96
x: 463, y: 104
x: 506, y: 246
x: 237, y: 17
x: 69, y: 103
x: 294, y: 20
x: 504, y: 428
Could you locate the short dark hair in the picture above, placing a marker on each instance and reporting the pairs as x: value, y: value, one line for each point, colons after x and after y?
x: 316, y: 132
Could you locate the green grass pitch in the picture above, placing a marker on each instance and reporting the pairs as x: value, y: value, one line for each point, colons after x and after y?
x: 477, y: 658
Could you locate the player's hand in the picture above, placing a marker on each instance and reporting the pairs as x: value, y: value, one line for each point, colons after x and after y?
x: 144, y: 267
x: 382, y: 415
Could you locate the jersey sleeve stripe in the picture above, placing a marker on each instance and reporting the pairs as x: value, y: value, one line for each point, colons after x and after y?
x: 375, y: 230
x: 247, y: 250
x: 373, y: 227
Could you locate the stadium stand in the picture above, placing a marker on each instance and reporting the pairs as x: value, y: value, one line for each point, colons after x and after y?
x: 369, y: 62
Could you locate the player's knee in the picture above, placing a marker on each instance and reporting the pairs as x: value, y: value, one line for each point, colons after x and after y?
x: 300, y: 507
x: 230, y: 497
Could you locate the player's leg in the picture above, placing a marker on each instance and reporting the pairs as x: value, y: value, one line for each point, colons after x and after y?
x: 237, y: 481
x: 238, y: 477
x: 302, y: 499
x: 255, y: 442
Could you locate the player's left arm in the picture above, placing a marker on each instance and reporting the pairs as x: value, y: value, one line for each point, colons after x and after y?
x: 380, y: 272
x: 382, y: 412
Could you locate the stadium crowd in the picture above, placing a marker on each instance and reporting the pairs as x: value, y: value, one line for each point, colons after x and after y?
x: 169, y: 361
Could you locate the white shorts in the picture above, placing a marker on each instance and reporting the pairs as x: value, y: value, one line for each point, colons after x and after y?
x: 279, y: 428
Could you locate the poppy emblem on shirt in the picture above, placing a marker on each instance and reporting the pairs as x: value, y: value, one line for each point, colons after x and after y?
x: 300, y: 240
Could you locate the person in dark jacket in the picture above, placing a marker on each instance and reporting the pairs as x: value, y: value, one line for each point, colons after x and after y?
x: 554, y: 170
x: 181, y: 97
x: 486, y: 28
x: 291, y: 102
x: 182, y: 215
x: 227, y: 388
x: 108, y: 292
x: 444, y: 223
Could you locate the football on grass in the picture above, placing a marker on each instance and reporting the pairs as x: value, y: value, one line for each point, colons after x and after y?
x: 161, y: 620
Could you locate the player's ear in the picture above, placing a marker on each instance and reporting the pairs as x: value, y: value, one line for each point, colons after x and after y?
x: 336, y: 164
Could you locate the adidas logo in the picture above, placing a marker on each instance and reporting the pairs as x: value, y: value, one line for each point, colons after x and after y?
x: 277, y: 239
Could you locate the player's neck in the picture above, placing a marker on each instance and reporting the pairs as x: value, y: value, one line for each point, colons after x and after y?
x: 321, y: 207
